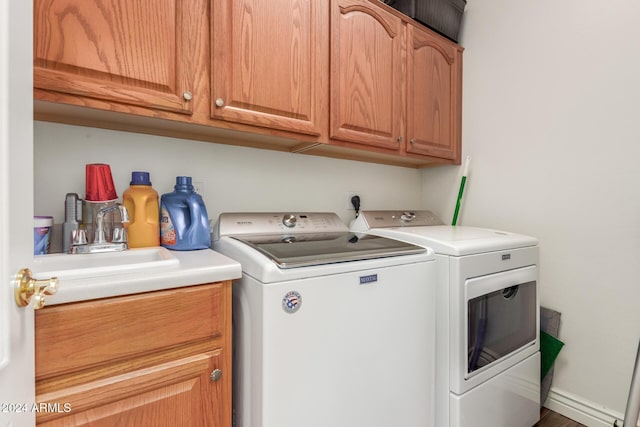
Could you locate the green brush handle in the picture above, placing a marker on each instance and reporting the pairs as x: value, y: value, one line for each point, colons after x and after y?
x: 455, y: 213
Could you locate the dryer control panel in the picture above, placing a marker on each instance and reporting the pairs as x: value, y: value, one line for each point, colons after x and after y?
x: 382, y: 219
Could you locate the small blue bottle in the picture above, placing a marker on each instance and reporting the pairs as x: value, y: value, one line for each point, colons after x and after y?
x: 184, y: 223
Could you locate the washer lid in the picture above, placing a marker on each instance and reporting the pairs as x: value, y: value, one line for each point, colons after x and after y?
x: 301, y: 250
x: 458, y: 240
x: 424, y: 228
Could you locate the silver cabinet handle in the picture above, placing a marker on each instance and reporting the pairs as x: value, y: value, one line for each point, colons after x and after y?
x: 216, y: 374
x: 188, y: 96
x: 219, y: 102
x: 399, y: 139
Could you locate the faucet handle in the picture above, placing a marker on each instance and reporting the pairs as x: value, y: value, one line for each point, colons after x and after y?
x: 124, y: 214
x: 100, y: 236
x: 79, y: 237
x: 119, y: 235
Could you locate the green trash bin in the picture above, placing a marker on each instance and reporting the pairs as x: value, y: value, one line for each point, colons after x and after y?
x: 550, y: 347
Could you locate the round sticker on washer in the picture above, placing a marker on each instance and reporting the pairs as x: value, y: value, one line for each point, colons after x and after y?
x: 291, y: 302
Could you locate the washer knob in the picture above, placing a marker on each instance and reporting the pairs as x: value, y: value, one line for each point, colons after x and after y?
x: 289, y: 220
x: 407, y: 216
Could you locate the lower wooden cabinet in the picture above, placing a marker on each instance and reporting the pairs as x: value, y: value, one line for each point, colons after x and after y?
x: 155, y: 359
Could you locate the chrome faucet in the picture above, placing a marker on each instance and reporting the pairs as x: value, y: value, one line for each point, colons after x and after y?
x: 100, y: 243
x: 119, y: 235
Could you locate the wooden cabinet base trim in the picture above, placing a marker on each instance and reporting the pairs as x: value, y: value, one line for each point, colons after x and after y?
x: 344, y: 151
x: 58, y: 108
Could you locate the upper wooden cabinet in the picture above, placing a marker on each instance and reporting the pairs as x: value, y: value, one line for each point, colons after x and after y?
x: 367, y: 74
x: 130, y: 52
x: 434, y: 80
x: 270, y: 63
x: 394, y: 85
x: 352, y: 79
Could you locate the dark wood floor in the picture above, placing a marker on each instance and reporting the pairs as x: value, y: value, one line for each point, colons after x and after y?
x: 549, y: 418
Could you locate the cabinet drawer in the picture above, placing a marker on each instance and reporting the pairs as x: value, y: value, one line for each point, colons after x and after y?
x: 88, y: 334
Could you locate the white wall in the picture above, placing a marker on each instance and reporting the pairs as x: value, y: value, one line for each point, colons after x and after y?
x: 235, y: 178
x: 552, y: 123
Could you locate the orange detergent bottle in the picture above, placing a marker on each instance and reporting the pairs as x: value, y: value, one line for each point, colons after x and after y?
x: 141, y: 201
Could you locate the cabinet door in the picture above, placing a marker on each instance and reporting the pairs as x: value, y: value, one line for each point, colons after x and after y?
x: 270, y: 63
x: 130, y: 52
x: 137, y: 360
x: 434, y: 95
x: 367, y: 75
x: 178, y: 393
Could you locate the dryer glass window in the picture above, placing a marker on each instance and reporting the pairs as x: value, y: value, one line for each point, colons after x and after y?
x: 500, y: 323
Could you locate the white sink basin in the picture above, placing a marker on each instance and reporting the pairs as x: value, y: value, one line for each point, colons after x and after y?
x: 77, y: 266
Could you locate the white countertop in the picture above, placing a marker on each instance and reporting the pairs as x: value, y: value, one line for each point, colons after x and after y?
x: 194, y: 268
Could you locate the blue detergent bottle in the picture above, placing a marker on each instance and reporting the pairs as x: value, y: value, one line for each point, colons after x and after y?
x: 184, y: 223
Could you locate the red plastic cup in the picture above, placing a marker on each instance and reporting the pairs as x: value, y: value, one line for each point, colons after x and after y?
x: 99, y: 185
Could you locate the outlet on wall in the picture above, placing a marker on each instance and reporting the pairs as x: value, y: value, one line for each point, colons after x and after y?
x: 348, y: 196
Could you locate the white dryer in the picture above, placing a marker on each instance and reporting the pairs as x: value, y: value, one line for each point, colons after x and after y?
x: 330, y: 328
x: 487, y: 318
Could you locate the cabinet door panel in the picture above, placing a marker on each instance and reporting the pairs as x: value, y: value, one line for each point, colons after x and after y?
x: 433, y: 96
x: 367, y: 74
x: 175, y: 393
x: 132, y: 52
x: 270, y: 63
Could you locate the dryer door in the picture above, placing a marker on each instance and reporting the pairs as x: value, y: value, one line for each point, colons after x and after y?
x: 501, y: 317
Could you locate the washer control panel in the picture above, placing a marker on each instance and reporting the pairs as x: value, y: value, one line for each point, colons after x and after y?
x: 238, y: 224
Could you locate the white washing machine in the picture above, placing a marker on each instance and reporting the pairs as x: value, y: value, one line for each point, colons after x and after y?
x: 330, y: 329
x: 487, y: 317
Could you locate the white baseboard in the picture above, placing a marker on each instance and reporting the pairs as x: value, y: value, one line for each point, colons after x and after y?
x: 581, y: 410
